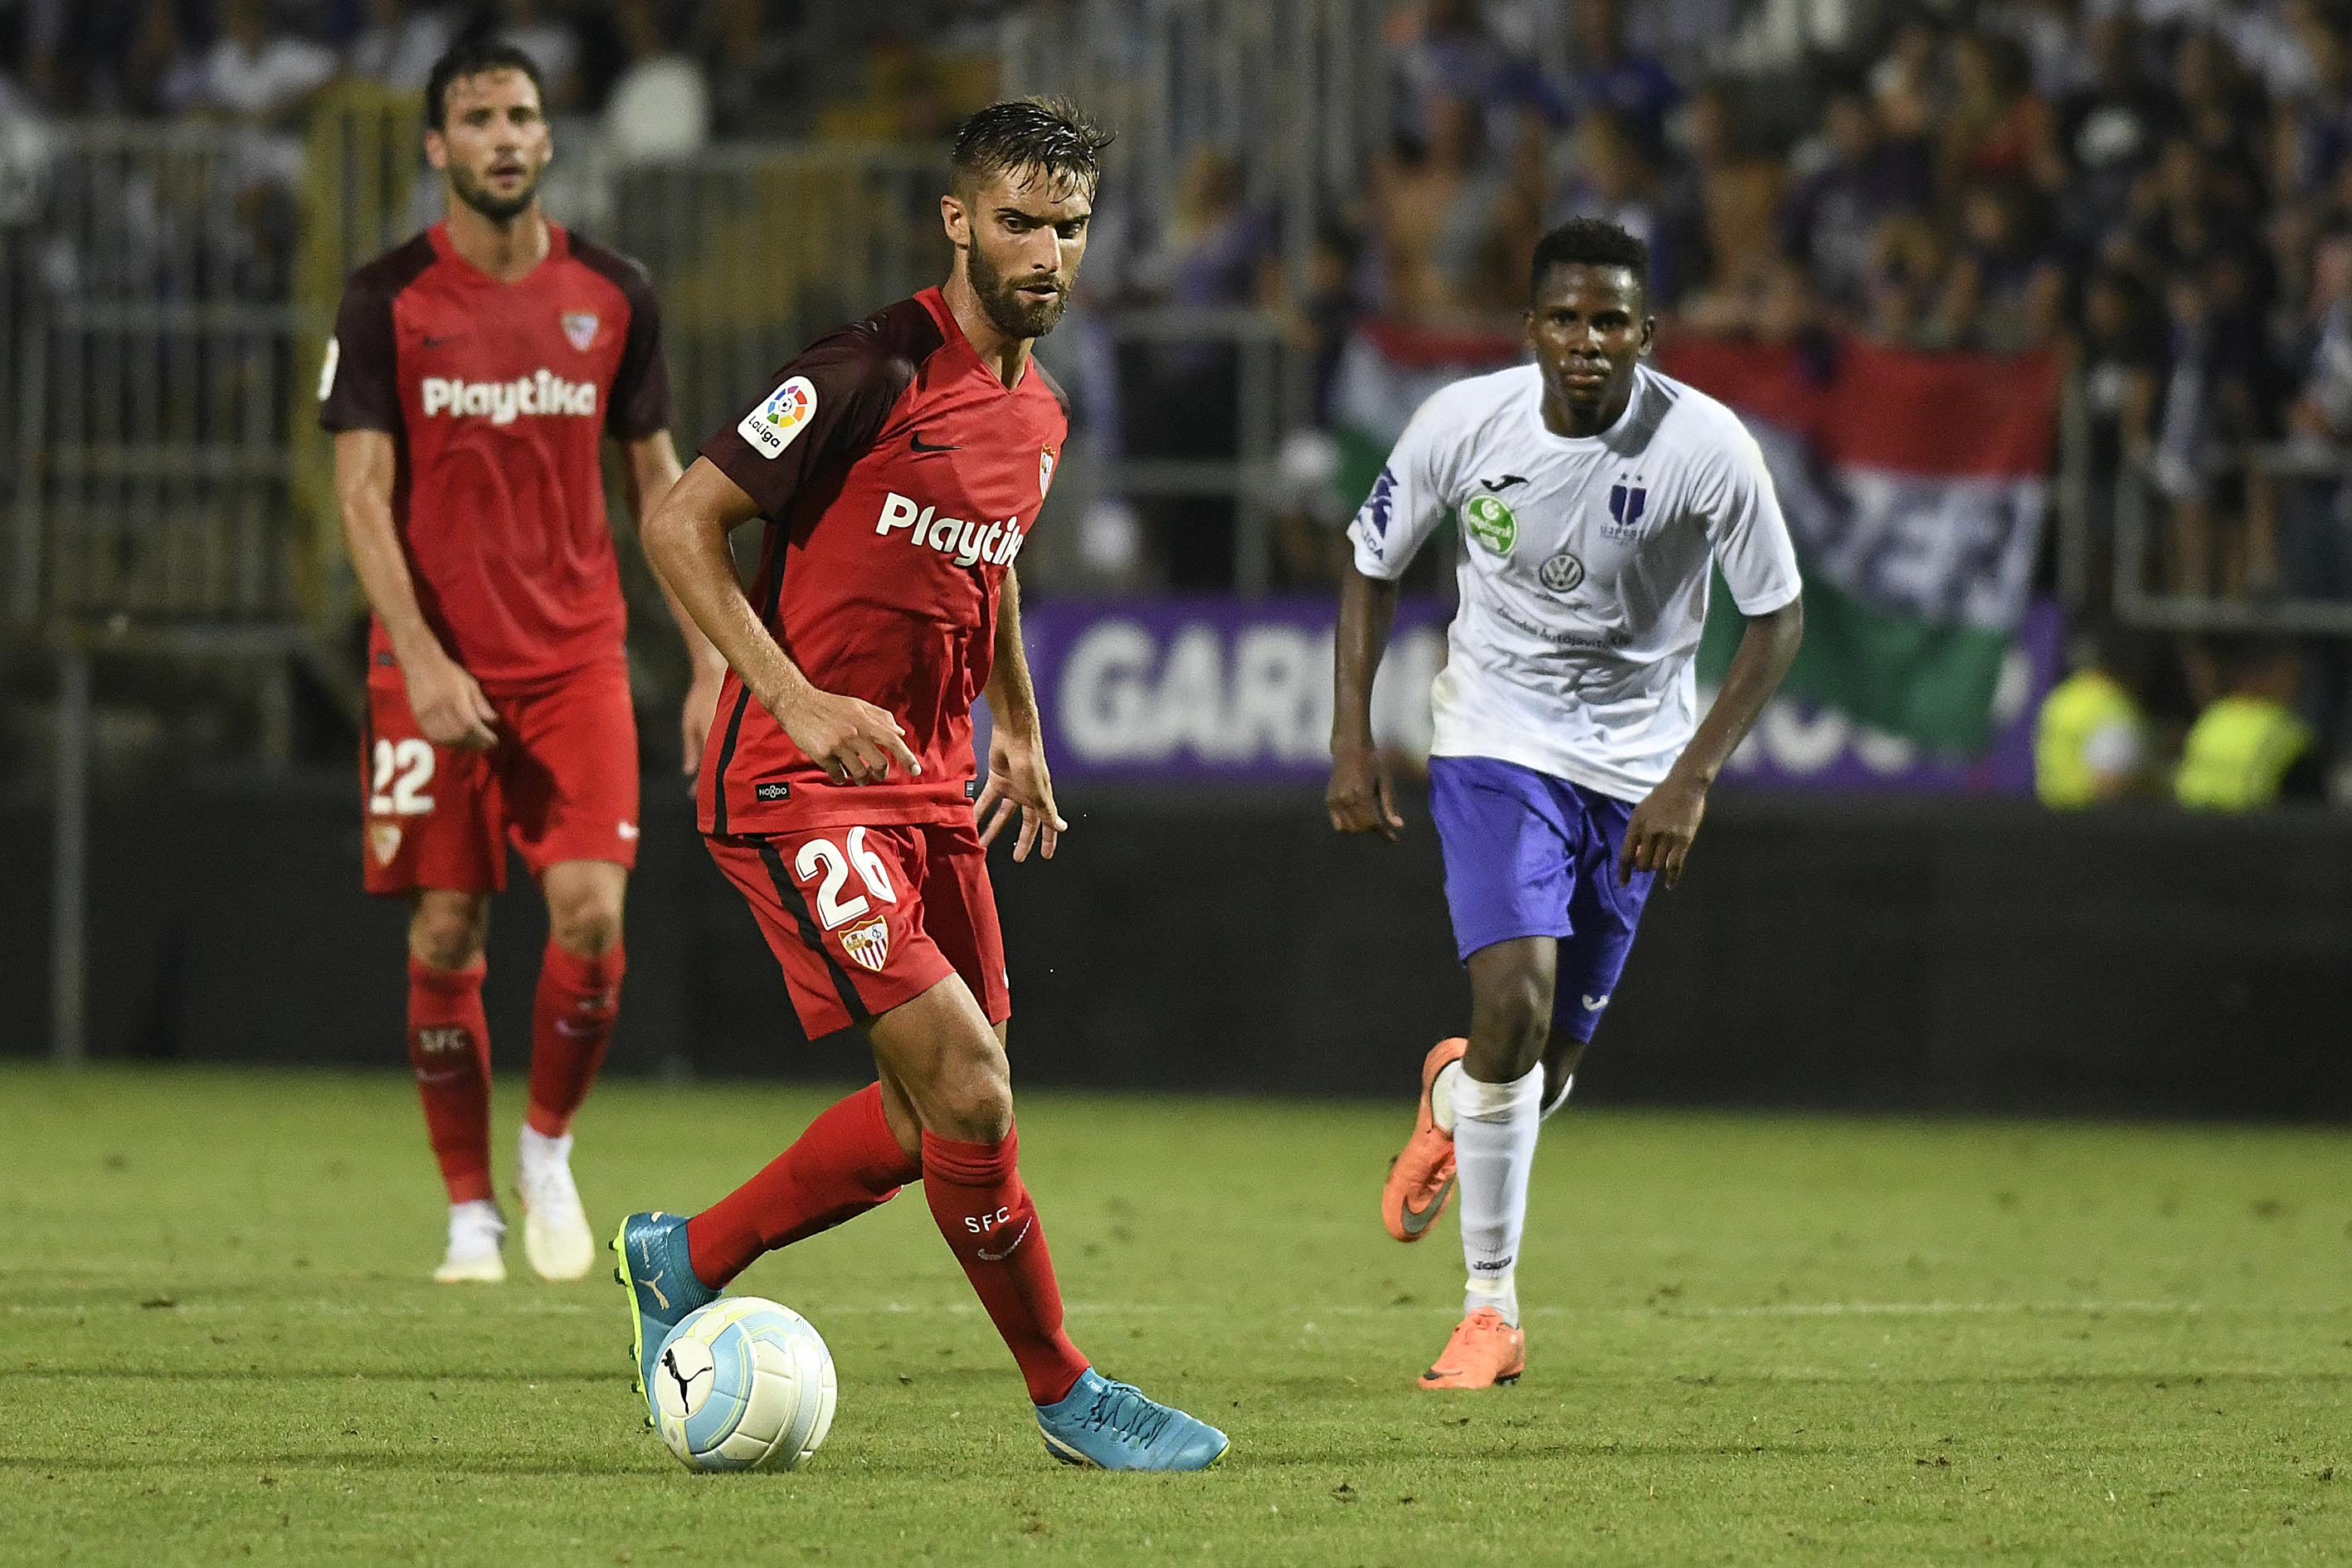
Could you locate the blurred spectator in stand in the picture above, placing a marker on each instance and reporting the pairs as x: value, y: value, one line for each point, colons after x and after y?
x: 1611, y: 78
x: 2045, y: 30
x: 2249, y: 748
x: 2210, y: 409
x: 1447, y: 49
x: 1907, y: 282
x: 1439, y: 212
x: 1608, y: 175
x: 255, y: 74
x: 661, y: 104
x: 550, y: 39
x: 758, y: 87
x: 1216, y: 252
x: 2316, y: 550
x: 398, y: 44
x: 2092, y: 743
x: 1854, y: 176
x: 2110, y: 131
x: 2122, y: 361
x: 1717, y: 208
x: 1997, y: 128
x: 2006, y: 289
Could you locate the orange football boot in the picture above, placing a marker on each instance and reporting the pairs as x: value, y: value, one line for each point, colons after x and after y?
x: 1421, y: 1179
x: 1485, y: 1351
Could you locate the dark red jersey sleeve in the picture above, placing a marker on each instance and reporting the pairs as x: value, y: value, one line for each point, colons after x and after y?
x: 638, y: 405
x: 824, y: 408
x: 358, y: 386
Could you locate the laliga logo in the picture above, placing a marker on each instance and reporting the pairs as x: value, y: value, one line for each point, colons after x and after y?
x: 969, y: 542
x: 501, y: 401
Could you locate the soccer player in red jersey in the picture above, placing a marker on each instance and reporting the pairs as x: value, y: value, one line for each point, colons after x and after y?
x: 899, y: 464
x: 472, y: 376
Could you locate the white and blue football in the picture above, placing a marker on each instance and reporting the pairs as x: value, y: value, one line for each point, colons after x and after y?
x: 743, y: 1385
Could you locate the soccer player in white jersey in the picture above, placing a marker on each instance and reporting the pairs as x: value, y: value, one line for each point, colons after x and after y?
x: 1571, y: 766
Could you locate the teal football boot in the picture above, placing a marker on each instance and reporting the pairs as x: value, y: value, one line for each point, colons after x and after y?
x: 1114, y: 1426
x: 653, y: 1268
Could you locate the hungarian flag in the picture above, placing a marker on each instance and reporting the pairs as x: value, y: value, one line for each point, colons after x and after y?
x: 1915, y: 485
x: 1386, y: 370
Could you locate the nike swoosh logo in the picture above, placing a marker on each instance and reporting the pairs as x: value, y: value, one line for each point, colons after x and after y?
x: 988, y: 1257
x: 1594, y: 1004
x: 573, y: 1031
x: 1416, y: 1220
x: 917, y: 443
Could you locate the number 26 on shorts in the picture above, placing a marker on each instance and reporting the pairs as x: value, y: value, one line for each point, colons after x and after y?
x: 822, y: 857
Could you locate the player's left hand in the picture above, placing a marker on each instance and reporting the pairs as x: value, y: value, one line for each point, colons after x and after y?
x: 1658, y: 834
x: 702, y: 708
x: 1017, y: 776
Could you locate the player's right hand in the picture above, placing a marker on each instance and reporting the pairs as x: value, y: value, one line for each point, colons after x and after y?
x: 1358, y: 799
x: 853, y: 741
x: 448, y: 703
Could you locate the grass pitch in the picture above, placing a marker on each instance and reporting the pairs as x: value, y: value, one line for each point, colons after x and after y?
x: 1751, y: 1340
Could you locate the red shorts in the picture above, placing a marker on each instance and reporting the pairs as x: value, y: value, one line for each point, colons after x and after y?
x: 863, y: 919
x: 561, y: 785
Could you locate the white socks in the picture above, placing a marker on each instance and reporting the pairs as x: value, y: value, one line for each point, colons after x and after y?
x: 1494, y: 1128
x: 474, y: 1228
x: 1441, y: 1097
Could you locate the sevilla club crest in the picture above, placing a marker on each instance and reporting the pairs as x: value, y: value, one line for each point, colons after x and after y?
x: 384, y: 837
x: 869, y: 944
x: 1045, y: 471
x: 580, y: 327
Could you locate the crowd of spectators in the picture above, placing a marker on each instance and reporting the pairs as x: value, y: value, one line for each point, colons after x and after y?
x: 661, y: 74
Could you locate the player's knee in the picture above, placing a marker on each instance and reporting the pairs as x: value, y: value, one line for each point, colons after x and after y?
x: 972, y: 1103
x: 1512, y: 1018
x: 586, y: 923
x: 446, y: 934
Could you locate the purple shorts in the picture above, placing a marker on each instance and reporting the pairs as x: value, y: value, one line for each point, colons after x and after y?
x: 1530, y: 855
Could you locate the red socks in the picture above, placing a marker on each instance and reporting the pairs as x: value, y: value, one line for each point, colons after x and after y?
x: 845, y: 1163
x: 571, y: 1025
x: 449, y: 1045
x: 981, y: 1207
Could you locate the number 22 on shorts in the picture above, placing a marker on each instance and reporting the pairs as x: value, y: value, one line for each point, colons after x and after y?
x: 403, y: 769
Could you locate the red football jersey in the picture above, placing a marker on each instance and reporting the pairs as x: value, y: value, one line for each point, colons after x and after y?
x: 497, y: 396
x: 899, y: 478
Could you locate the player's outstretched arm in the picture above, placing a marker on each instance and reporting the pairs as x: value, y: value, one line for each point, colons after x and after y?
x: 686, y: 539
x: 1017, y: 775
x: 1658, y: 835
x: 1359, y: 798
x: 652, y: 468
x: 449, y: 706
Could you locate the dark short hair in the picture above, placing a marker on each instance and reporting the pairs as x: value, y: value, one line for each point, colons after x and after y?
x: 472, y: 58
x: 1051, y: 136
x: 1589, y: 242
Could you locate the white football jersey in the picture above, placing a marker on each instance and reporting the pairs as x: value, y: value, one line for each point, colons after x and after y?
x: 1584, y: 568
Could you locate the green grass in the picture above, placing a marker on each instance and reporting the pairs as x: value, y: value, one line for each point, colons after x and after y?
x: 1751, y: 1340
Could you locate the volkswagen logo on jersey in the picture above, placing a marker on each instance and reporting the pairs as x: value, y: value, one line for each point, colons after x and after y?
x: 971, y: 543
x: 502, y: 402
x: 1562, y: 574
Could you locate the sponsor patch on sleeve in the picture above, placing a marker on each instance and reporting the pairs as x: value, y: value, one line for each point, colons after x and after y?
x: 774, y: 426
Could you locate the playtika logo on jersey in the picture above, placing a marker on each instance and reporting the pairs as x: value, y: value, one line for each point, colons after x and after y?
x: 969, y: 542
x: 504, y: 401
